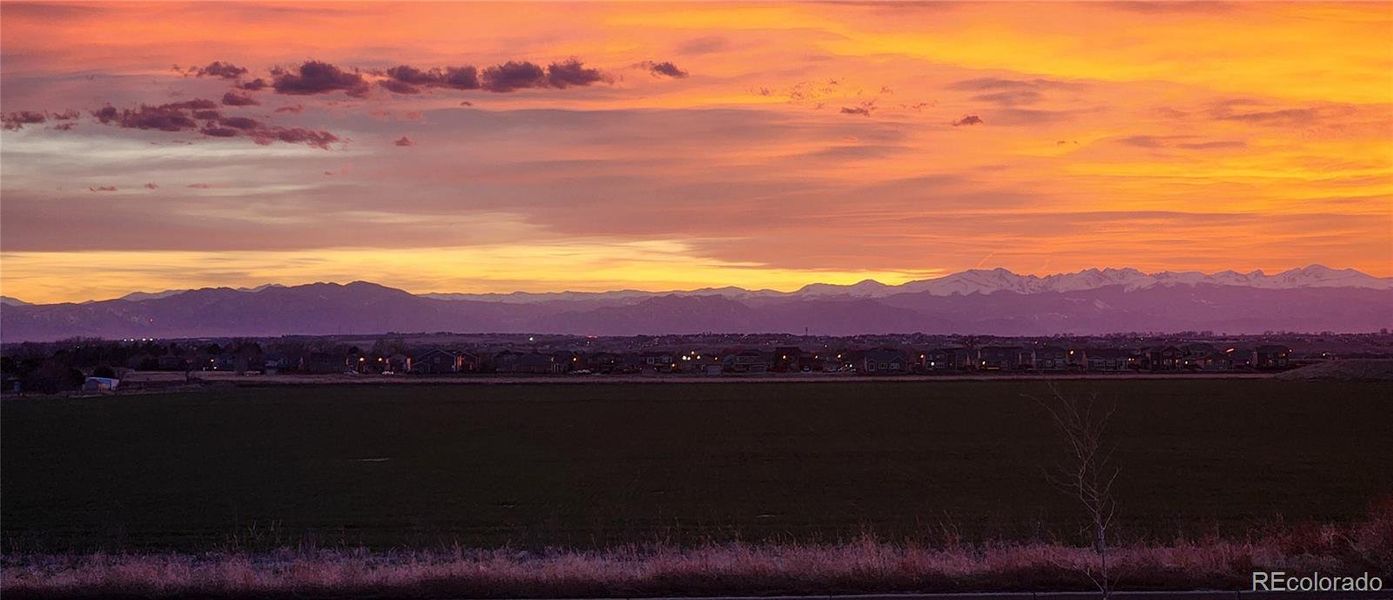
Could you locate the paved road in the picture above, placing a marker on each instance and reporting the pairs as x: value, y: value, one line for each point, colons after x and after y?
x: 295, y: 379
x: 1199, y: 595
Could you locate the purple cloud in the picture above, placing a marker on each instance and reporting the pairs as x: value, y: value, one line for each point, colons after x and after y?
x: 243, y: 123
x: 293, y: 135
x: 220, y: 69
x: 513, y: 75
x: 664, y: 69
x: 460, y: 78
x: 16, y: 120
x: 315, y: 77
x: 414, y: 76
x: 165, y: 117
x: 234, y: 99
x: 404, y: 141
x: 968, y: 120
x: 863, y: 109
x: 184, y: 116
x: 571, y: 73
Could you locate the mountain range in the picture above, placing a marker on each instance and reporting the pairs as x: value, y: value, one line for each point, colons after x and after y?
x: 993, y: 302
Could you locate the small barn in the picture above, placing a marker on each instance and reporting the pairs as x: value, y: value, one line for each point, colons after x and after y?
x: 100, y: 384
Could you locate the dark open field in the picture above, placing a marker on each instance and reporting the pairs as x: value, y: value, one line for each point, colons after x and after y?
x: 597, y: 465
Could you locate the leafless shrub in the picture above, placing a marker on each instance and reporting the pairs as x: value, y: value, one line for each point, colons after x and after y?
x: 1088, y: 473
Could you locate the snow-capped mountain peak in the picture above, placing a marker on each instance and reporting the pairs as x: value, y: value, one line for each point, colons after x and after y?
x: 990, y: 281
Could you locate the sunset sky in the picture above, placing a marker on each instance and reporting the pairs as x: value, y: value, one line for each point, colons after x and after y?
x: 539, y: 147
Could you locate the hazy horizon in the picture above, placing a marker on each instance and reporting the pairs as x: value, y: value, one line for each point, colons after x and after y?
x: 640, y: 290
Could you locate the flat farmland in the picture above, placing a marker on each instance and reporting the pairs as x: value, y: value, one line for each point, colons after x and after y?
x: 600, y: 465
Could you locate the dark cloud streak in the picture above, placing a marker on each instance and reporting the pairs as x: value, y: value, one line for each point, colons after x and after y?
x: 1010, y: 98
x: 184, y: 116
x: 988, y: 84
x: 664, y: 69
x: 1177, y: 141
x: 293, y: 135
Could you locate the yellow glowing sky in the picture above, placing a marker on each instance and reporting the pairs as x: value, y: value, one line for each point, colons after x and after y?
x: 808, y: 142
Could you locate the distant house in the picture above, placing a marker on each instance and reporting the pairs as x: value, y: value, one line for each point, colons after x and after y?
x: 747, y: 361
x: 657, y: 361
x: 881, y: 361
x: 1163, y: 358
x: 469, y: 362
x: 944, y: 359
x: 437, y: 362
x: 397, y: 363
x: 322, y: 363
x: 503, y: 362
x: 1051, y: 358
x: 373, y: 364
x: 527, y: 362
x: 356, y: 362
x: 1003, y: 358
x: 788, y: 359
x: 1239, y: 358
x: 1202, y: 357
x: 1270, y: 357
x: 607, y: 362
x: 222, y: 362
x: 822, y: 362
x: 1107, y: 359
x: 249, y: 362
x: 565, y: 362
x: 704, y: 363
x: 273, y: 363
x: 100, y: 384
x: 1078, y: 358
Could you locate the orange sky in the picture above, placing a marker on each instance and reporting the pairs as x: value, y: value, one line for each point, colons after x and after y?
x: 806, y: 142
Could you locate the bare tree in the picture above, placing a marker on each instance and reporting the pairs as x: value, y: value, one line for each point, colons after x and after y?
x: 1088, y: 473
